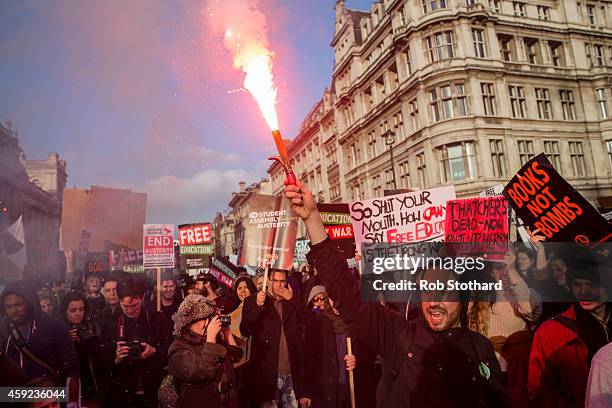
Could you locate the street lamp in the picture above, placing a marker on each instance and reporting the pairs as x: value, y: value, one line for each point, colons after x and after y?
x: 389, y: 137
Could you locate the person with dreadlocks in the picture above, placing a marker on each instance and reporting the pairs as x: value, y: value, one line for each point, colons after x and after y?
x: 433, y: 360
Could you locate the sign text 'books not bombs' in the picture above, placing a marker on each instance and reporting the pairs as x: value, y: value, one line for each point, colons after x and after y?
x: 196, y: 247
x: 337, y: 221
x: 544, y: 200
x: 480, y: 224
x: 410, y: 217
x: 269, y: 232
x: 158, y: 245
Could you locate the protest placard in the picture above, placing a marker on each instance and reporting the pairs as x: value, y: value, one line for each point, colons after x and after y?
x: 498, y: 190
x: 195, y: 245
x: 270, y: 229
x: 481, y: 224
x: 410, y: 217
x: 158, y: 246
x: 337, y: 221
x: 546, y: 201
x: 302, y: 247
x: 223, y: 270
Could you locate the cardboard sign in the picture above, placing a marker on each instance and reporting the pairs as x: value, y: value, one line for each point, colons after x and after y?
x: 337, y: 221
x: 270, y: 231
x: 195, y: 243
x: 411, y: 217
x: 480, y: 223
x: 544, y: 200
x: 498, y: 190
x: 158, y: 246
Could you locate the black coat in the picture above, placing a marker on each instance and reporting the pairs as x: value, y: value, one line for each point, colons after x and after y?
x: 123, y: 377
x: 264, y: 325
x: 421, y: 368
x: 321, y: 365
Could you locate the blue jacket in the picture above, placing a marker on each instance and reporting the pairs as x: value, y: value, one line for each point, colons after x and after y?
x: 46, y: 336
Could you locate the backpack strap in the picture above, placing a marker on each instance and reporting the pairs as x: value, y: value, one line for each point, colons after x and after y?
x: 25, y: 349
x: 568, y: 323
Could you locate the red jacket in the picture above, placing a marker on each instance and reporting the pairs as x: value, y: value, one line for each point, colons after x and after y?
x: 558, y: 366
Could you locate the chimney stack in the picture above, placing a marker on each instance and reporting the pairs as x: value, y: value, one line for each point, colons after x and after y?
x: 242, y: 185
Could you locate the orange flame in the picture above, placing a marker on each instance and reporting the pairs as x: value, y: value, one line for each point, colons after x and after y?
x: 255, y: 60
x: 245, y: 33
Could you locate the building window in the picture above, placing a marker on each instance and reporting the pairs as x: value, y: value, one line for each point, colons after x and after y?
x: 601, y: 101
x: 543, y: 102
x: 517, y: 101
x: 433, y: 105
x: 355, y: 155
x: 398, y: 126
x: 404, y: 174
x: 532, y: 48
x: 577, y: 158
x: 457, y: 162
x: 598, y: 53
x: 587, y: 51
x: 389, y: 179
x: 591, y: 16
x: 556, y: 53
x: 543, y: 13
x: 609, y: 147
x: 525, y: 149
x: 433, y: 5
x: 568, y: 107
x: 498, y: 158
x: 471, y: 2
x: 414, y: 115
x: 519, y: 8
x: 421, y: 170
x: 377, y: 186
x: 494, y: 5
x: 440, y: 46
x: 479, y: 45
x: 372, y: 145
x: 408, y: 60
x: 551, y: 149
x: 448, y: 101
x: 506, y: 45
x: 488, y: 98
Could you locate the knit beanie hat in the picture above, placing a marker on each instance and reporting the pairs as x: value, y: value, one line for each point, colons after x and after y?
x: 192, y: 308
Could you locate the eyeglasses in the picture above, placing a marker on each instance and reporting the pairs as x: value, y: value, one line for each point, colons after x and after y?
x: 319, y: 299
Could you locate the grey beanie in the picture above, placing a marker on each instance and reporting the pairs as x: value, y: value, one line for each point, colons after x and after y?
x: 315, y: 291
x: 192, y: 308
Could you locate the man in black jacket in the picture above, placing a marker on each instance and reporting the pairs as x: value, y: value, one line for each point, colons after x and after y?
x: 430, y: 361
x: 275, y: 320
x: 131, y: 349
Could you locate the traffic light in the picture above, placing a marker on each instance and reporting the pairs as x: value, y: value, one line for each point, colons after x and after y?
x: 3, y: 208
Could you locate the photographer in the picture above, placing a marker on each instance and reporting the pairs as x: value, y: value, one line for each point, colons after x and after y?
x: 85, y: 335
x: 130, y: 344
x: 199, y: 360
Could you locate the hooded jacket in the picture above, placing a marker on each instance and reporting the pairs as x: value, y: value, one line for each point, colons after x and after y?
x: 421, y: 367
x: 46, y: 336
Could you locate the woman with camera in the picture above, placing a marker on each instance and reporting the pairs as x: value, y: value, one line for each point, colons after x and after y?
x: 85, y: 335
x: 201, y: 356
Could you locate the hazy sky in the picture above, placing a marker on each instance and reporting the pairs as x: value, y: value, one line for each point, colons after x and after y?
x: 136, y: 94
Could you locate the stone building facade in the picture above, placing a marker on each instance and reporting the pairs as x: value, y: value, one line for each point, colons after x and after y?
x: 40, y: 208
x: 471, y: 90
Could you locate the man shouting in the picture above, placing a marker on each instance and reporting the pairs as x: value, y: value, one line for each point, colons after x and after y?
x: 431, y: 361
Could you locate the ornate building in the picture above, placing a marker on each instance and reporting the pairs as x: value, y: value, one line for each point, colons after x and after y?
x: 471, y: 90
x: 40, y: 208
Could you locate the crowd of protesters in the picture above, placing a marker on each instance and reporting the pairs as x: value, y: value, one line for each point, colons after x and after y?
x: 308, y: 340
